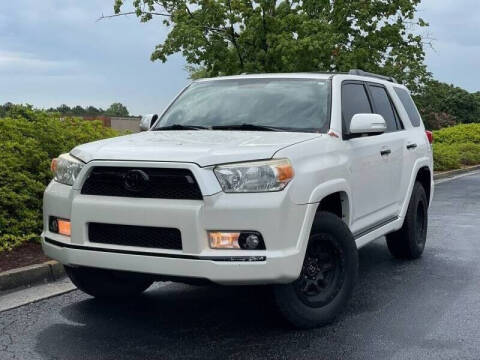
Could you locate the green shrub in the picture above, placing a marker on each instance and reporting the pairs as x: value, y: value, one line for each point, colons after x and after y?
x: 445, y: 157
x: 469, y: 153
x: 456, y: 146
x: 463, y: 133
x: 29, y: 139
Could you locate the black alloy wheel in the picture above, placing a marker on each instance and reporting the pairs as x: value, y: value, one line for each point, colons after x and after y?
x: 323, y: 272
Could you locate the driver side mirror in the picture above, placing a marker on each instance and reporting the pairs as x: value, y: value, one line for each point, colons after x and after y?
x: 367, y: 124
x: 147, y: 121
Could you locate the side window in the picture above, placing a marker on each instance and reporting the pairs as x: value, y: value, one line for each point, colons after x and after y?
x: 409, y: 106
x: 383, y: 106
x: 354, y: 101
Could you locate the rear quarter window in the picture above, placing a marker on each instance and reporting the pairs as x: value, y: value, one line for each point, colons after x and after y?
x: 409, y: 106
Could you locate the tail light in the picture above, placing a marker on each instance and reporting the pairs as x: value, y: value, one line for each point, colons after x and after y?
x: 429, y: 136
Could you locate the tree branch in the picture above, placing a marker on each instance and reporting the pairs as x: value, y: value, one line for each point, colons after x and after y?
x: 132, y: 13
x: 233, y: 34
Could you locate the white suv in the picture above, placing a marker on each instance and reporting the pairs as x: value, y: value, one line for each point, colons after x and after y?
x: 254, y: 179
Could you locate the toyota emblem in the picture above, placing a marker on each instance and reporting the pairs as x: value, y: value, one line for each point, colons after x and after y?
x: 136, y: 180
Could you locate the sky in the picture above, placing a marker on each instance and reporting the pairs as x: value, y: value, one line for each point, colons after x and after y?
x: 55, y: 52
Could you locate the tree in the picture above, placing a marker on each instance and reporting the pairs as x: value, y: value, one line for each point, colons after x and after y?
x: 444, y: 105
x: 92, y: 110
x: 5, y: 108
x: 224, y: 37
x: 16, y: 111
x: 64, y: 109
x: 78, y: 110
x: 117, y: 109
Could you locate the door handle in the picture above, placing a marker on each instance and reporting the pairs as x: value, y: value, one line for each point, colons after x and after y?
x: 385, y: 152
x: 411, y: 146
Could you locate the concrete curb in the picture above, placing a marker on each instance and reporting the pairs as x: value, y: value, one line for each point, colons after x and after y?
x: 453, y: 173
x: 29, y: 275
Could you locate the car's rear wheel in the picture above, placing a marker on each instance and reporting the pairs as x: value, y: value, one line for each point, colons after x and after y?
x: 327, y: 278
x: 409, y: 241
x: 102, y: 283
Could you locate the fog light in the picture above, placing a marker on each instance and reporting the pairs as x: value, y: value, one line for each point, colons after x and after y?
x: 252, y: 241
x: 60, y: 226
x: 246, y: 240
x: 53, y: 224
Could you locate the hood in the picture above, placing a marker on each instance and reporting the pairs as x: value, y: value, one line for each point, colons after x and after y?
x: 203, y: 147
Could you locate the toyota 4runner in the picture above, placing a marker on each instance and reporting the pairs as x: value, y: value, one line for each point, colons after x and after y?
x: 256, y: 179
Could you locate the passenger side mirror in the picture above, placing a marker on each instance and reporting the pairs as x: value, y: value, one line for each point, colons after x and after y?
x: 147, y: 121
x: 367, y: 124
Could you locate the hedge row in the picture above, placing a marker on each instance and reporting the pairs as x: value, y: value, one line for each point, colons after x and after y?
x: 29, y: 139
x: 456, y: 146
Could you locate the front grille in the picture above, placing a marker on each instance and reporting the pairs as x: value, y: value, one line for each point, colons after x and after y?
x: 131, y: 235
x: 159, y: 183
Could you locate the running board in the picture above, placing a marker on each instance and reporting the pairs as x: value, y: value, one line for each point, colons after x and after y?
x: 374, y: 227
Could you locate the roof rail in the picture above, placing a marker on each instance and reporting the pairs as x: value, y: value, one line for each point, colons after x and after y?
x: 368, y: 74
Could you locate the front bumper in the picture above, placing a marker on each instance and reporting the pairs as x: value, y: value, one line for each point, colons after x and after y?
x: 222, y: 271
x: 285, y: 227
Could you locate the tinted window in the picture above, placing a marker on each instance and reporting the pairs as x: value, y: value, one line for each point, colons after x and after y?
x: 297, y: 104
x: 409, y: 106
x: 383, y: 106
x: 354, y: 101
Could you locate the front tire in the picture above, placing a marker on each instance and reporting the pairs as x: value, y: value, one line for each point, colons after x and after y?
x: 102, y: 283
x: 409, y: 241
x: 327, y: 278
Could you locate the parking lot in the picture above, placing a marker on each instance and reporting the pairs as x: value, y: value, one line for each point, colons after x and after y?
x: 425, y: 309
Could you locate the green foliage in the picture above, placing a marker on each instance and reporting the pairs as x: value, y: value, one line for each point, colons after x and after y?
x: 456, y: 146
x: 469, y: 153
x: 446, y: 157
x: 29, y: 139
x: 444, y: 105
x: 92, y: 110
x: 117, y: 109
x: 464, y: 133
x: 224, y: 37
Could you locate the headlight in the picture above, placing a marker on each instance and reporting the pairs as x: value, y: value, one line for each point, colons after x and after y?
x: 66, y: 169
x: 258, y: 176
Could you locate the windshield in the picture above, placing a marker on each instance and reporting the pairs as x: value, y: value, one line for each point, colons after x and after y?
x: 289, y: 104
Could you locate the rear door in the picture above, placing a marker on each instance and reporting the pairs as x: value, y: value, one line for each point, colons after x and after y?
x: 369, y: 163
x: 417, y: 145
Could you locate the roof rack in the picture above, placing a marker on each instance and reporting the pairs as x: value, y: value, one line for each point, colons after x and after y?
x: 364, y: 73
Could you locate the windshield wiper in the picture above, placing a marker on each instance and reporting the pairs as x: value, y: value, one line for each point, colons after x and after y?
x: 180, y: 127
x: 247, y: 127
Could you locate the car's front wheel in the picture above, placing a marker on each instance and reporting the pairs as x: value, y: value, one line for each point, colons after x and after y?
x: 102, y: 283
x: 327, y: 278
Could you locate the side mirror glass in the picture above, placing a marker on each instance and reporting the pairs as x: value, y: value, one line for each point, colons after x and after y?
x: 147, y: 121
x: 367, y: 124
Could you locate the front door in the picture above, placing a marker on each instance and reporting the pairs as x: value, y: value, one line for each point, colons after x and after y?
x: 373, y: 201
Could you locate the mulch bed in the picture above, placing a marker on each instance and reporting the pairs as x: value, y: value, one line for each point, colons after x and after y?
x: 26, y: 254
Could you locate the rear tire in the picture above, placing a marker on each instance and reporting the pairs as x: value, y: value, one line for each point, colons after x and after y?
x: 409, y: 241
x: 102, y: 283
x: 327, y: 278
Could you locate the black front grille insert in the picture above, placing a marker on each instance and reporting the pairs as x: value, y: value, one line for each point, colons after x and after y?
x: 132, y: 235
x: 158, y: 183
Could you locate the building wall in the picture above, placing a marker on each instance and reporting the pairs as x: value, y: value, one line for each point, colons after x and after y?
x: 125, y: 123
x: 117, y: 123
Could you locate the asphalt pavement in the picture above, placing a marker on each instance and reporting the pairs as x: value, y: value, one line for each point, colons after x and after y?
x: 424, y: 309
